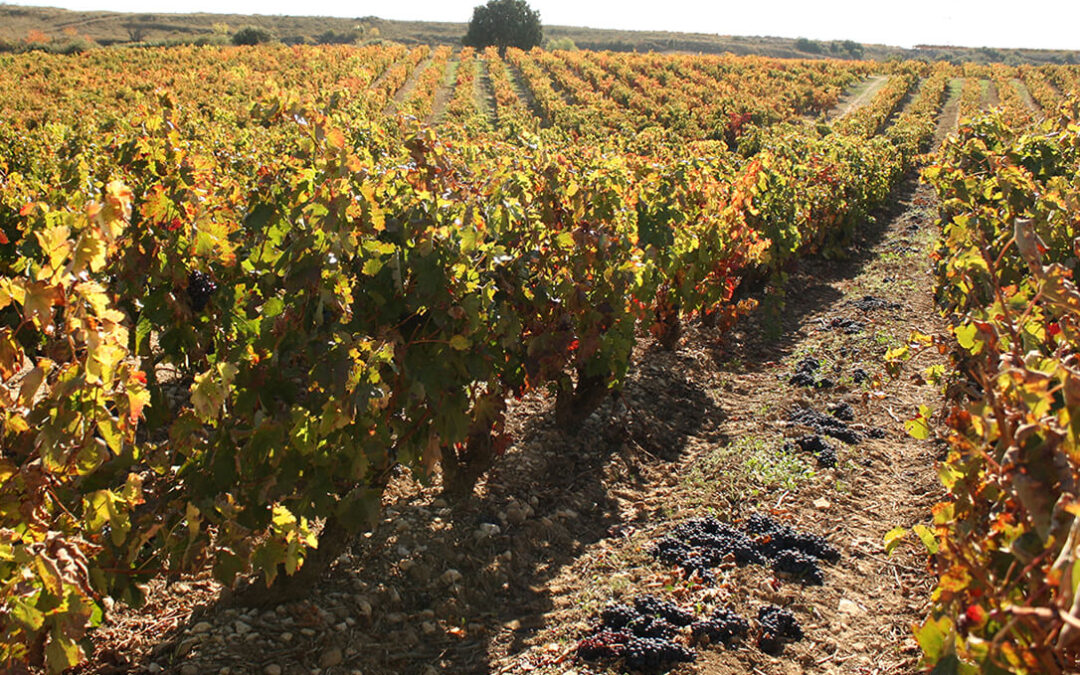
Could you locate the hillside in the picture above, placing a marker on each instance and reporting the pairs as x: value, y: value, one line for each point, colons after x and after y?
x: 61, y: 28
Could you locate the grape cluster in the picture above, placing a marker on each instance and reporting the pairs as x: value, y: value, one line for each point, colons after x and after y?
x: 775, y: 537
x: 642, y: 634
x: 804, y: 372
x: 723, y: 626
x: 804, y: 375
x: 604, y: 644
x: 859, y: 376
x: 801, y: 566
x: 199, y: 289
x: 698, y: 545
x: 650, y: 605
x: 869, y: 303
x: 778, y: 626
x: 818, y: 447
x: 843, y: 411
x: 823, y: 424
x: 653, y: 654
x: 847, y: 326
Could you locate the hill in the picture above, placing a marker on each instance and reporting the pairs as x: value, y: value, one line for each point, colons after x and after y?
x: 60, y: 29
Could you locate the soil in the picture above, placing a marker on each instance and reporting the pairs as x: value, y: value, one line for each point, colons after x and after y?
x: 509, y: 580
x: 850, y: 101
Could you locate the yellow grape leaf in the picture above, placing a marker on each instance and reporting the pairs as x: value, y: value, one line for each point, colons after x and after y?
x: 38, y: 303
x: 49, y: 574
x: 335, y: 139
x: 62, y: 652
x: 209, y: 390
x: 927, y: 537
x: 11, y: 354
x: 32, y: 382
x: 89, y: 252
x: 55, y: 243
x: 919, y: 426
x: 893, y: 538
x: 95, y: 296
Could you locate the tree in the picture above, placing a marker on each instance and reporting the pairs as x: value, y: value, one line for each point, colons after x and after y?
x: 252, y: 35
x: 504, y: 23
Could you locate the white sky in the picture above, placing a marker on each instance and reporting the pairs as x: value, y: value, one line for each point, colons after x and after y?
x: 1045, y: 24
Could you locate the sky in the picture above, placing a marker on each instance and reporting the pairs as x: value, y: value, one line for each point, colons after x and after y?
x: 1041, y: 24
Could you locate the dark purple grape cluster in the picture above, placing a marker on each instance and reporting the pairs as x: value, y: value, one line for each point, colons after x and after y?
x: 818, y: 447
x: 870, y: 303
x: 823, y: 424
x: 804, y: 372
x: 653, y: 654
x: 774, y: 537
x: 805, y: 375
x: 642, y: 634
x: 778, y: 627
x: 724, y: 626
x: 652, y: 627
x: 199, y: 289
x: 799, y: 565
x: 650, y: 605
x: 846, y: 326
x: 617, y: 616
x: 843, y: 411
x: 700, y: 544
x: 603, y: 644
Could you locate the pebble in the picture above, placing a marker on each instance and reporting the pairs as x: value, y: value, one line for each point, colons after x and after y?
x: 450, y: 576
x: 286, y: 636
x: 202, y: 627
x: 307, y: 632
x: 272, y: 669
x: 241, y: 628
x: 189, y: 669
x: 364, y: 605
x: 331, y: 657
x: 154, y: 668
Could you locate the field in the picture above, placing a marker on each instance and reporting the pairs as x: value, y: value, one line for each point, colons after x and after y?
x: 416, y: 358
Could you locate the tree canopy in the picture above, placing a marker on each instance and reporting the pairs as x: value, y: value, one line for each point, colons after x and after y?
x: 504, y: 23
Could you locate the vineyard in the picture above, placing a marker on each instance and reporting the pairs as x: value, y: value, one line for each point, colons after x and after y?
x: 389, y: 359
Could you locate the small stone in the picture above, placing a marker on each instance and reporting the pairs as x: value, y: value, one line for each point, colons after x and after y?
x: 428, y: 627
x: 822, y: 504
x: 225, y: 670
x: 307, y: 632
x: 202, y: 627
x: 189, y: 669
x: 395, y: 617
x: 154, y: 668
x: 241, y: 628
x: 186, y: 646
x: 848, y: 607
x: 515, y: 514
x: 331, y: 657
x: 286, y: 637
x: 364, y: 605
x: 450, y: 576
x: 341, y: 627
x: 487, y: 530
x: 272, y: 669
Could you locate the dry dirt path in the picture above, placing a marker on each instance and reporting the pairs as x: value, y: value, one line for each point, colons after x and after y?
x: 445, y: 91
x: 859, y: 96
x: 402, y: 94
